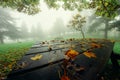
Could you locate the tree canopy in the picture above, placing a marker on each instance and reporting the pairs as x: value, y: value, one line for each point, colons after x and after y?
x: 105, y: 8
x: 26, y: 6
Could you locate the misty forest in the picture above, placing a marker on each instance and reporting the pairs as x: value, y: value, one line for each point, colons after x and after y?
x: 59, y: 39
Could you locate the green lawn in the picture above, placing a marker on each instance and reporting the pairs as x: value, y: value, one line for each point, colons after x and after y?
x: 5, y: 48
x: 9, y: 54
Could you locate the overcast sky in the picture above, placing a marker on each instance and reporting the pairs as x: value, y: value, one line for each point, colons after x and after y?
x: 46, y: 17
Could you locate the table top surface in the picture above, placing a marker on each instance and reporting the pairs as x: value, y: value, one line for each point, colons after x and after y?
x: 52, y: 55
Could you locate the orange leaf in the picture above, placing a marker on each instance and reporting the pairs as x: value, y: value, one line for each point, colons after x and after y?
x: 89, y: 54
x: 95, y: 45
x: 65, y: 77
x: 71, y: 53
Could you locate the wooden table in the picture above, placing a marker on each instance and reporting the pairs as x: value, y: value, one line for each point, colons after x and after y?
x: 48, y: 67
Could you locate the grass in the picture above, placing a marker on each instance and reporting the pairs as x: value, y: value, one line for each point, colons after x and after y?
x: 10, y: 54
x: 5, y: 48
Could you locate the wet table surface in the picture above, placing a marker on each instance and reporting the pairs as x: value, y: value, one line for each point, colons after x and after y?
x: 48, y: 67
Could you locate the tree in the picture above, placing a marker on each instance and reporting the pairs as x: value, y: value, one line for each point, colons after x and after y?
x: 77, y: 23
x: 115, y: 24
x: 26, y: 6
x: 95, y: 23
x: 107, y: 9
x: 58, y: 27
x: 24, y: 31
x: 37, y: 33
x: 7, y: 27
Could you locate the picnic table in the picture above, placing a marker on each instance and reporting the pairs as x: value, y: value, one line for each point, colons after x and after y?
x: 48, y: 67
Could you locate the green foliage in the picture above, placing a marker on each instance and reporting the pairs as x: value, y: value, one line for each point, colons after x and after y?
x: 67, y: 4
x: 106, y: 8
x: 26, y: 6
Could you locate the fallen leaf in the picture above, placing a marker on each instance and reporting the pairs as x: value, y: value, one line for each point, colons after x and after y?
x: 49, y: 48
x: 112, y: 41
x: 72, y: 46
x: 36, y: 57
x: 80, y: 68
x: 71, y: 53
x: 65, y: 77
x: 89, y: 54
x: 95, y: 45
x: 83, y: 49
x: 23, y: 65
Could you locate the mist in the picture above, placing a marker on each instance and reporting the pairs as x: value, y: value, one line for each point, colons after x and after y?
x: 50, y: 24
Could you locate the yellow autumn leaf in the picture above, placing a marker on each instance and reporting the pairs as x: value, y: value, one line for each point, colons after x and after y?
x: 36, y: 57
x: 89, y: 54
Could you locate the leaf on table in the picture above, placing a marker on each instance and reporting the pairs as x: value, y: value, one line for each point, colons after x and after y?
x: 36, y: 57
x: 23, y: 64
x: 83, y: 49
x: 95, y: 45
x: 72, y: 46
x: 80, y: 68
x: 89, y: 54
x: 49, y: 48
x: 71, y: 53
x: 65, y: 77
x: 112, y: 41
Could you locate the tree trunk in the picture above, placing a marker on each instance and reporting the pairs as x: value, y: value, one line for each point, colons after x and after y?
x: 83, y: 35
x: 1, y: 37
x: 1, y: 40
x: 106, y: 29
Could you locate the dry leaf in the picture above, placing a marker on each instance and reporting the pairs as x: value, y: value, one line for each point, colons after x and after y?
x: 72, y: 46
x: 95, y: 45
x: 80, y: 69
x: 112, y: 41
x: 49, y: 48
x: 36, y: 57
x: 23, y: 64
x: 65, y: 77
x: 83, y: 49
x: 89, y: 54
x: 71, y: 53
